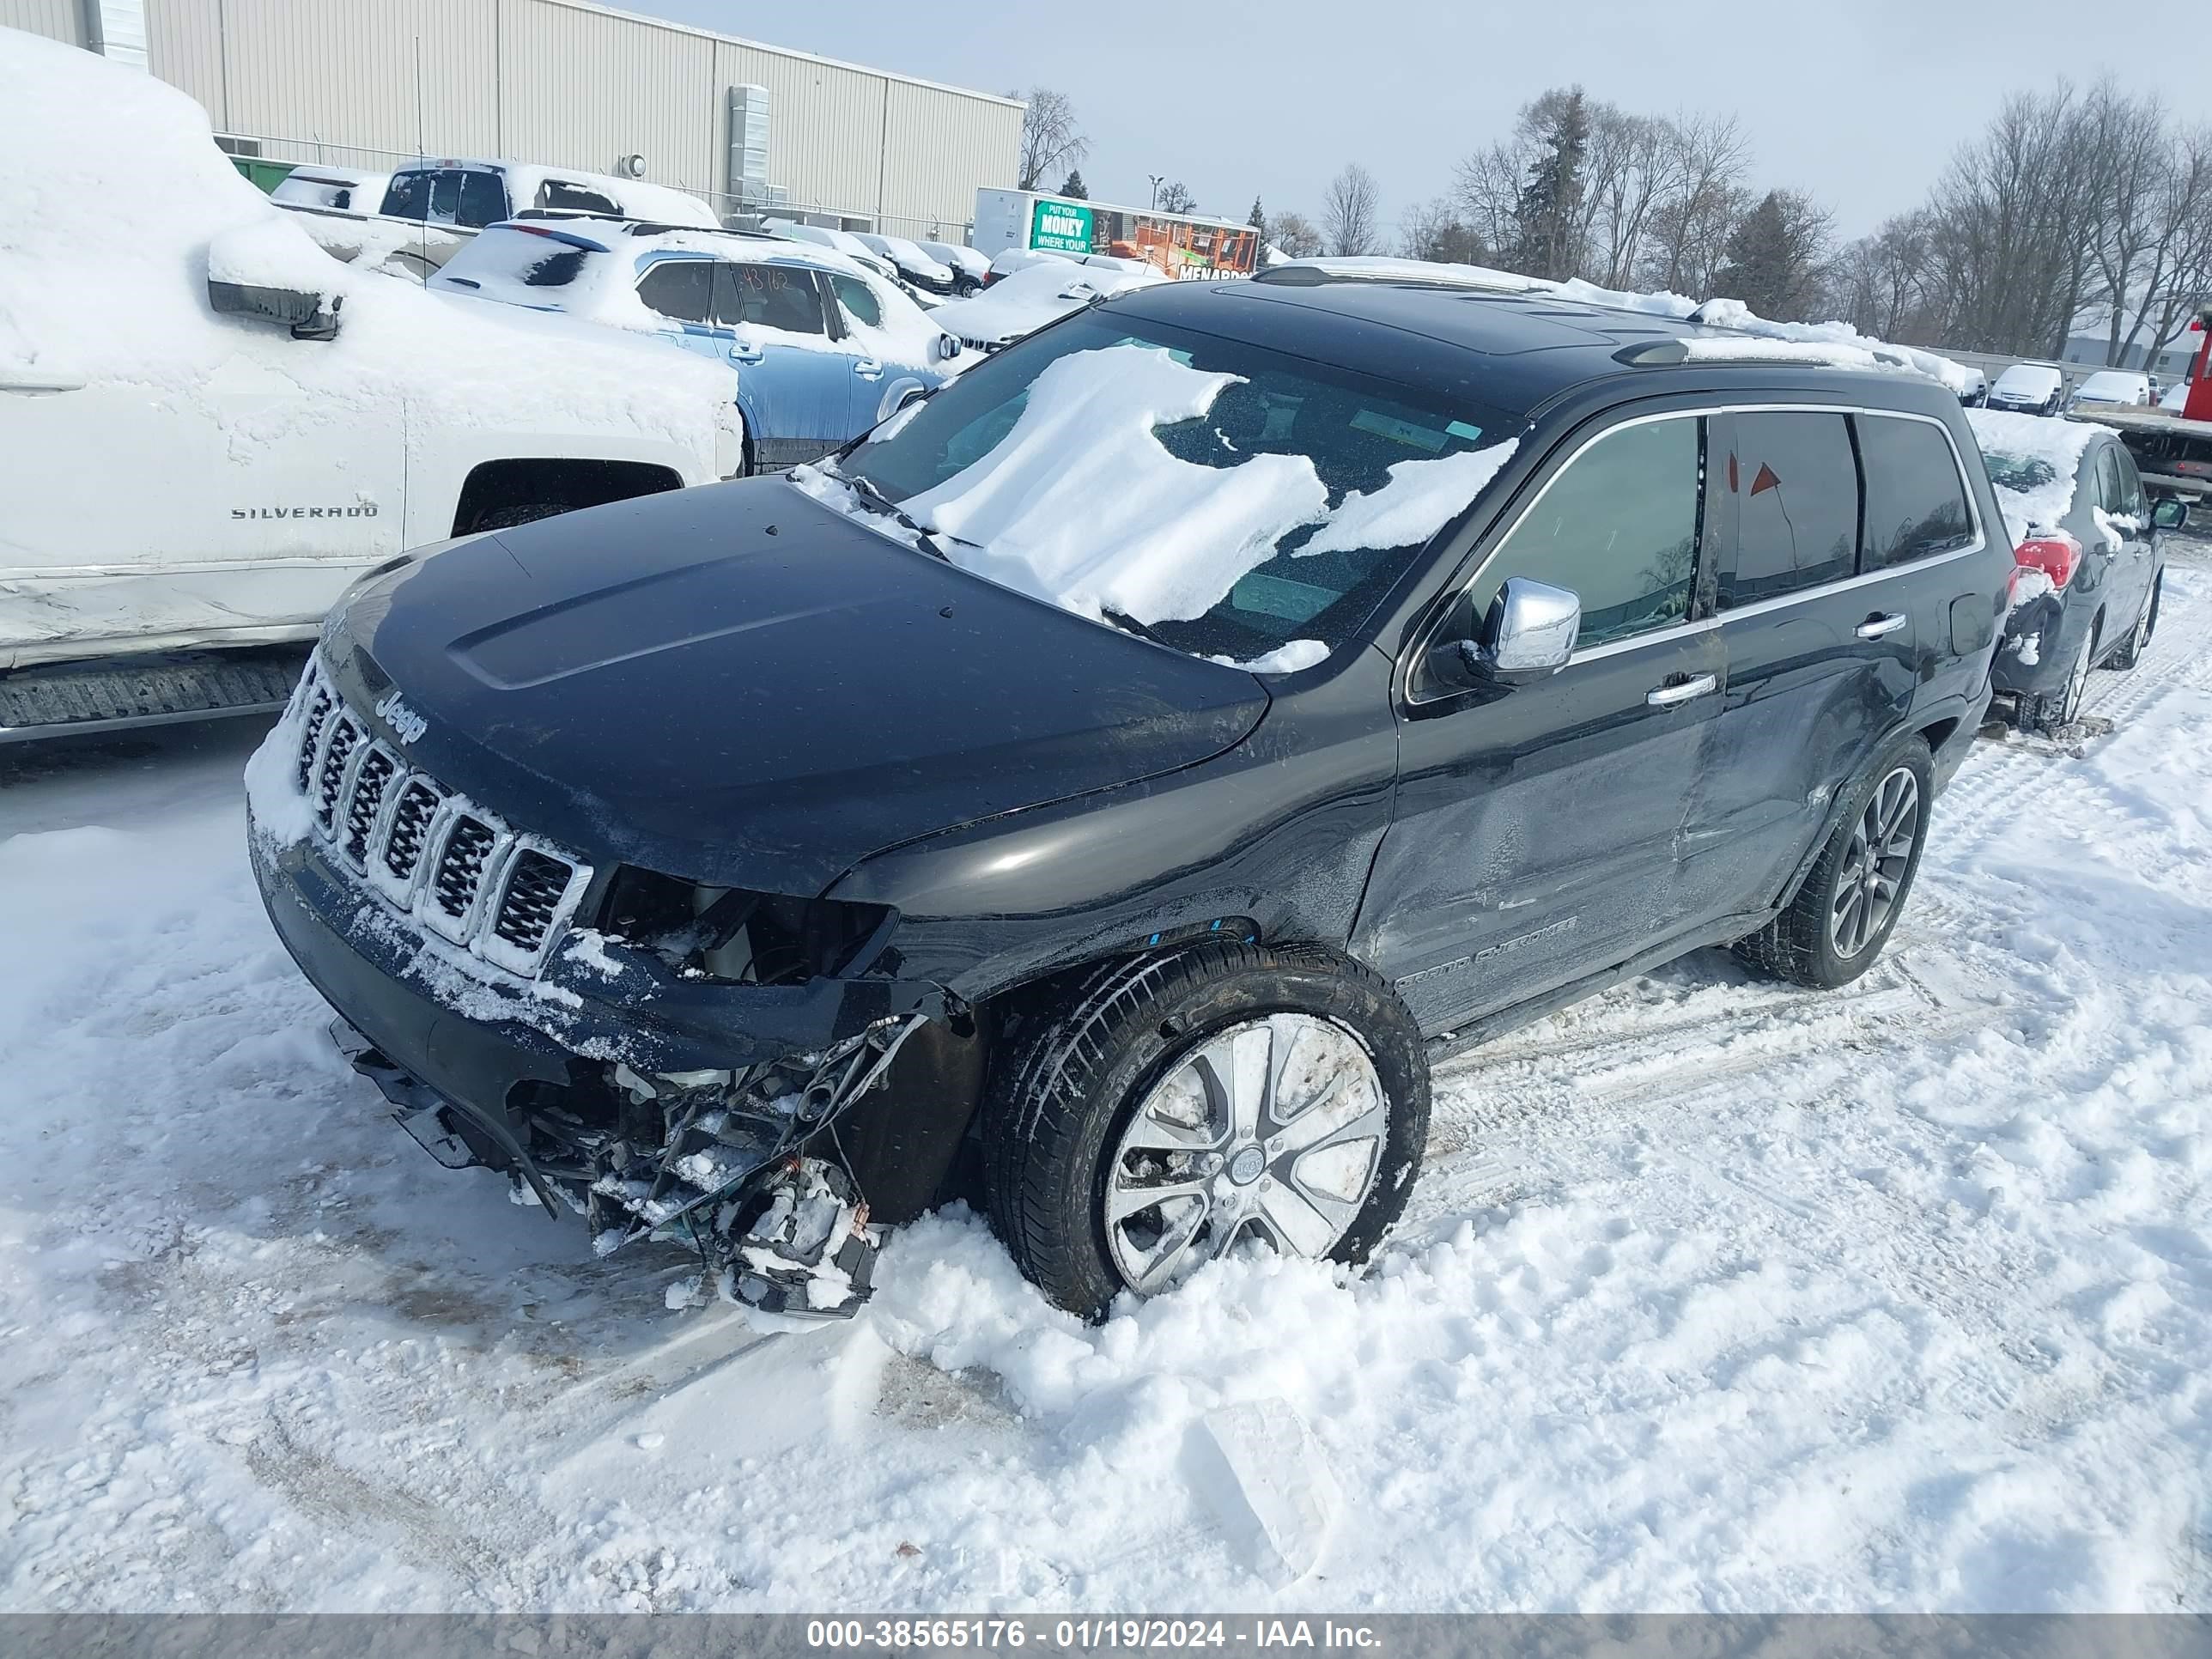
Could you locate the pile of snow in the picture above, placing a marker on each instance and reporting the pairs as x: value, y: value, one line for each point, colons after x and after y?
x: 2040, y: 457
x: 1037, y: 294
x: 1080, y: 503
x: 116, y: 207
x: 1837, y: 344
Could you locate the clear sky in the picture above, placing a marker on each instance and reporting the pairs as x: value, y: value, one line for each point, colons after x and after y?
x: 1860, y: 102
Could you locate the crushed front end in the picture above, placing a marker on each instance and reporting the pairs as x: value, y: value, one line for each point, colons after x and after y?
x: 664, y: 1059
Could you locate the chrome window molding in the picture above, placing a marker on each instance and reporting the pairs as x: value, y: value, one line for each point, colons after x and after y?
x: 1688, y: 628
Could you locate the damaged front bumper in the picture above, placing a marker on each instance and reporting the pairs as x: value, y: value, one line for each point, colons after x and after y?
x: 650, y: 1103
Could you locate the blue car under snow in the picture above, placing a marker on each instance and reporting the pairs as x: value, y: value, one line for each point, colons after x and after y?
x: 823, y: 349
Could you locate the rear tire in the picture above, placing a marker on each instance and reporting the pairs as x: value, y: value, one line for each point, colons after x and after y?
x: 2055, y: 711
x: 1823, y: 940
x: 1062, y: 1139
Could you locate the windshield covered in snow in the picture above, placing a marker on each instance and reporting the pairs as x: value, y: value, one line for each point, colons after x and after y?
x: 1225, y: 500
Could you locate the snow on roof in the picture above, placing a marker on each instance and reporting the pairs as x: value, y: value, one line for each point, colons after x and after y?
x: 2034, y: 461
x: 1035, y: 295
x: 116, y: 207
x: 656, y: 203
x: 1848, y: 348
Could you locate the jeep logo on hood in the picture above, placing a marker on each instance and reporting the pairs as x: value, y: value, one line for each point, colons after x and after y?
x: 358, y: 510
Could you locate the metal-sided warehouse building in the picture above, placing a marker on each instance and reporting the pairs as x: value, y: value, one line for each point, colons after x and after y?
x: 374, y: 84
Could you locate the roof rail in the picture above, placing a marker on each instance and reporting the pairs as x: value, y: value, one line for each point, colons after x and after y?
x: 1405, y: 273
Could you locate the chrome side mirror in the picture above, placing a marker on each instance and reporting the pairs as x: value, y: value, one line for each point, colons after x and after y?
x: 1530, y: 631
x: 1529, y: 635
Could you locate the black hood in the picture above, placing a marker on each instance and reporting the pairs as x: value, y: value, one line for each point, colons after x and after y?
x: 738, y: 685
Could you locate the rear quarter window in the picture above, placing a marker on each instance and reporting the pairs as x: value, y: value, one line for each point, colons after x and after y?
x: 1916, y: 499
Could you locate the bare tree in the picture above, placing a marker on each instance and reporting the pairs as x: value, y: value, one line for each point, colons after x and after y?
x: 1883, y: 284
x: 2178, y: 283
x: 1175, y: 198
x: 1295, y: 234
x: 1632, y: 162
x: 1051, y: 139
x: 1698, y: 206
x: 1434, y: 230
x: 1350, y: 208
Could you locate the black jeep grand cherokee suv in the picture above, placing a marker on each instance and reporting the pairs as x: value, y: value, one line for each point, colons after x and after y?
x: 1361, y: 667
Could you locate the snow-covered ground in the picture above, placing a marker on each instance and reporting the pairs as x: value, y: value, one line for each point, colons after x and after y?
x: 1715, y: 1296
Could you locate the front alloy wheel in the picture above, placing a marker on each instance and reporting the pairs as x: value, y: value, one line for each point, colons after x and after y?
x: 1152, y: 1113
x: 1272, y: 1130
x: 1872, y: 874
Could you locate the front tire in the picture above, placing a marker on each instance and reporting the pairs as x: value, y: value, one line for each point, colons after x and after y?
x: 1848, y: 905
x: 1161, y: 1109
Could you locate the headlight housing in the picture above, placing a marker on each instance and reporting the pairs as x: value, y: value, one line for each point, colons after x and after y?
x: 737, y: 936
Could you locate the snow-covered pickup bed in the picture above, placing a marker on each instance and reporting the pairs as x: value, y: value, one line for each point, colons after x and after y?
x: 2172, y: 452
x: 210, y: 428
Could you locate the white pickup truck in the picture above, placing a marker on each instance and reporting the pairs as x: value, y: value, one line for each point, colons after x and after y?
x: 209, y: 427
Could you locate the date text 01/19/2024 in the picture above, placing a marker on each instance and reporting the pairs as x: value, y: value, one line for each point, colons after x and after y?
x: 1082, y: 1635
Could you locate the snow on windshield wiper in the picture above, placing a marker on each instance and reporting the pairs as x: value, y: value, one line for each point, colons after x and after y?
x: 867, y: 491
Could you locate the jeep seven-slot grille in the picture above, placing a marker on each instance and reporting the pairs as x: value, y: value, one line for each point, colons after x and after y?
x: 433, y: 854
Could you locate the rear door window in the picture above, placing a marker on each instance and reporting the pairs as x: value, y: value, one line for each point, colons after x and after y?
x: 859, y: 300
x: 681, y: 289
x: 1618, y: 526
x: 482, y: 200
x: 1795, y: 485
x: 780, y: 297
x: 574, y: 198
x: 1915, y: 502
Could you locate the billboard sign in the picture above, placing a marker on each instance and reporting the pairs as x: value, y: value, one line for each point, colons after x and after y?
x: 1062, y: 227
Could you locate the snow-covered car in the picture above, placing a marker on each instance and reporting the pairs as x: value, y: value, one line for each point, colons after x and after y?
x: 2120, y: 388
x: 821, y: 348
x: 1009, y: 262
x: 1033, y: 295
x: 2175, y: 396
x: 912, y: 263
x: 1108, y: 788
x: 1977, y: 389
x: 2029, y: 389
x: 343, y: 190
x: 212, y: 428
x: 2085, y: 538
x: 837, y: 241
x: 968, y: 267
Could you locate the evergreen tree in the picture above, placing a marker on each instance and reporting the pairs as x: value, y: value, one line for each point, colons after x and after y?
x: 1072, y: 186
x: 1258, y: 219
x: 1547, y: 214
x: 1773, y: 258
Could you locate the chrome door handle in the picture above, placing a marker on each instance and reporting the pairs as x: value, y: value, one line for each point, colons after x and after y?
x: 1875, y: 628
x: 1666, y: 696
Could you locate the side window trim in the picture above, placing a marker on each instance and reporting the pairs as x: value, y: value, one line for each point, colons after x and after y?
x: 1701, y: 617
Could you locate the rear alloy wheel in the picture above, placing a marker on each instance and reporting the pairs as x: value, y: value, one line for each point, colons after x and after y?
x: 2139, y: 641
x: 1848, y: 906
x: 1161, y: 1111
